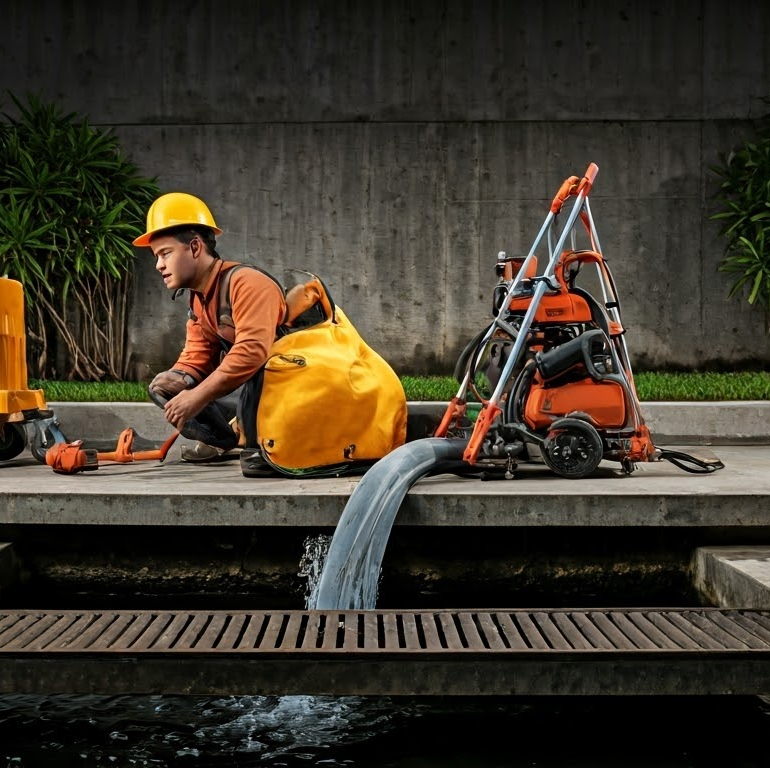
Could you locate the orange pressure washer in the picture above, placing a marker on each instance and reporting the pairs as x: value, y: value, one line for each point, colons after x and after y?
x: 22, y: 408
x: 552, y: 372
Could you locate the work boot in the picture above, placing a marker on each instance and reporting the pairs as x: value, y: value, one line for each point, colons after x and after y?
x: 254, y: 465
x: 201, y: 453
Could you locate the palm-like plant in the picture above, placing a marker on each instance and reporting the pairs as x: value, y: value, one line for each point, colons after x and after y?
x: 744, y: 193
x: 70, y: 205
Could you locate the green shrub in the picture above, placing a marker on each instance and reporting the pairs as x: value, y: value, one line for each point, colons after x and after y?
x: 70, y: 205
x: 744, y: 195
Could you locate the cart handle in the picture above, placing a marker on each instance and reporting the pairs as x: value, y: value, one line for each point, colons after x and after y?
x: 574, y: 186
x: 568, y: 187
x: 587, y: 182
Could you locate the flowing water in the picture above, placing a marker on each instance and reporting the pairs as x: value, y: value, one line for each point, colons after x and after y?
x: 352, y: 566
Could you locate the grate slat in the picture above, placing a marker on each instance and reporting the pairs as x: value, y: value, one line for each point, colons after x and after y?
x: 631, y: 635
x: 53, y: 633
x: 551, y: 631
x: 531, y: 632
x: 762, y: 620
x: 293, y: 631
x: 411, y: 635
x: 752, y: 624
x: 96, y: 631
x: 153, y: 631
x: 189, y: 637
x: 490, y: 631
x: 371, y: 631
x: 452, y: 639
x: 312, y: 630
x: 729, y: 628
x: 511, y: 632
x: 649, y: 624
x: 702, y: 632
x: 273, y: 632
x: 331, y: 630
x: 27, y: 639
x: 473, y: 636
x: 428, y: 624
x: 7, y: 621
x: 390, y: 628
x: 671, y: 630
x: 18, y: 627
x: 171, y: 634
x: 137, y: 625
x: 591, y: 631
x: 571, y: 631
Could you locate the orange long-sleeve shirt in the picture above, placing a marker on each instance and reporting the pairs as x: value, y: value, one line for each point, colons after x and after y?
x: 258, y: 308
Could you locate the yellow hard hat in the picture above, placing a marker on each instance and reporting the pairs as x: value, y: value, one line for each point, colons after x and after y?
x: 174, y: 209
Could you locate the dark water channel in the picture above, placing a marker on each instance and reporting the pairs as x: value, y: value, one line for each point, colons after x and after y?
x: 63, y: 731
x: 38, y: 731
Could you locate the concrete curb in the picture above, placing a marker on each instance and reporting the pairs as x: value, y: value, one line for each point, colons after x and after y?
x: 702, y: 423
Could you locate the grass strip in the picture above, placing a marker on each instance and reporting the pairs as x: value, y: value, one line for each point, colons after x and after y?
x: 650, y: 386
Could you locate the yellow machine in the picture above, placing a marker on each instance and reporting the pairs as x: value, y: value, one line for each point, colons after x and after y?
x: 19, y: 405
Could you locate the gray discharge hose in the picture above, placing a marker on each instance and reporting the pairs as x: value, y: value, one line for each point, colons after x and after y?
x: 352, y: 566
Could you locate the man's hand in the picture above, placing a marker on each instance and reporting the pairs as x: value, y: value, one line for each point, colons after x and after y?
x: 186, y: 405
x: 168, y: 383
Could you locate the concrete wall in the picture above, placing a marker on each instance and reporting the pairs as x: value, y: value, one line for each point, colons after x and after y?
x: 396, y: 146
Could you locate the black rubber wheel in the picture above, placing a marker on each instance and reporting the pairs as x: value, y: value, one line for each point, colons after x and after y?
x: 12, y: 441
x: 572, y: 448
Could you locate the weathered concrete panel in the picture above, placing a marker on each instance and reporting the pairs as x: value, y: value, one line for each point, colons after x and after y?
x: 396, y: 147
x: 404, y: 222
x: 237, y: 61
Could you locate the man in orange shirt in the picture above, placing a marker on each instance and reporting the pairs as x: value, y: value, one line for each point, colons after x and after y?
x: 215, y: 377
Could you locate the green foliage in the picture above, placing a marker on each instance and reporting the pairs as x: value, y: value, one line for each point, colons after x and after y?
x: 744, y: 194
x: 70, y: 205
x: 676, y: 387
x: 694, y: 387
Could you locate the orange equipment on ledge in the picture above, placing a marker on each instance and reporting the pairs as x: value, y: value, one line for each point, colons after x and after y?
x: 69, y: 458
x: 18, y: 404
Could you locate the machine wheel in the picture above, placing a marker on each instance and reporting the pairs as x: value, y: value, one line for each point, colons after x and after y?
x: 572, y: 448
x: 12, y: 441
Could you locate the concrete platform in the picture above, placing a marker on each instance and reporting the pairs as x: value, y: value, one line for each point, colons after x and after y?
x: 149, y: 526
x: 176, y: 493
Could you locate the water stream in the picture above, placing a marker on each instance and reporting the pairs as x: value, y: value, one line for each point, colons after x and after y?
x: 352, y: 566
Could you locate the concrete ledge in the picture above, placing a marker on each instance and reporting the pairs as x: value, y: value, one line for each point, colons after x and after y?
x: 734, y: 577
x: 712, y: 423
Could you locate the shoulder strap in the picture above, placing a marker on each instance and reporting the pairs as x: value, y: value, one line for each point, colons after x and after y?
x: 224, y: 308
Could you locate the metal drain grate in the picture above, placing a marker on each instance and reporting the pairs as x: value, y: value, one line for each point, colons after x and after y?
x: 372, y: 632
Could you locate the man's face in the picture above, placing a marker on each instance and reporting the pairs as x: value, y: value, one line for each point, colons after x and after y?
x: 176, y: 261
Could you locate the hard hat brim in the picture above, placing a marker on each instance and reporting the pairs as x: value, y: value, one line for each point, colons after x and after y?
x: 143, y: 241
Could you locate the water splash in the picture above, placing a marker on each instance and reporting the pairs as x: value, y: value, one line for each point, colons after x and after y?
x: 315, y: 549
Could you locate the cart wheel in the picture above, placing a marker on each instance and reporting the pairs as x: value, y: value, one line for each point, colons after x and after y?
x: 572, y: 448
x: 12, y: 442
